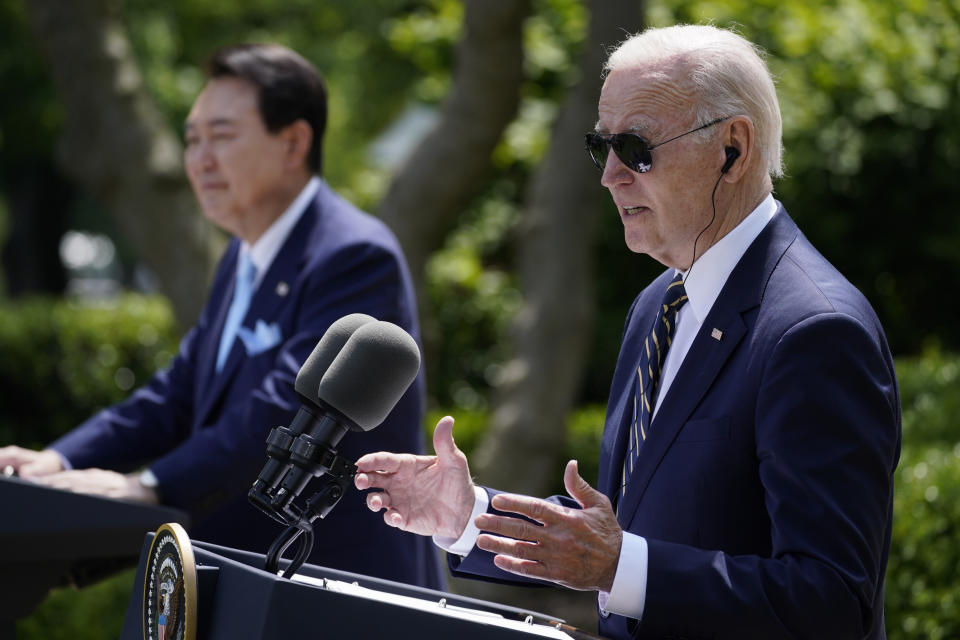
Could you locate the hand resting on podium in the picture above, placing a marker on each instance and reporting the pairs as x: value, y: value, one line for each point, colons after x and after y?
x: 46, y: 468
x: 28, y: 463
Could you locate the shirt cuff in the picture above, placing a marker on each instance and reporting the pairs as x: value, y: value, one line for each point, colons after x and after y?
x: 464, y: 544
x: 629, y: 591
x: 63, y: 460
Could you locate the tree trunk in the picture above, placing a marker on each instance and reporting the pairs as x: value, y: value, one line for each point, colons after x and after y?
x: 521, y: 449
x: 552, y: 330
x: 38, y: 197
x: 444, y: 171
x: 117, y: 146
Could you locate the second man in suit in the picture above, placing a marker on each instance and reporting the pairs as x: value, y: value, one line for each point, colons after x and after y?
x: 301, y: 257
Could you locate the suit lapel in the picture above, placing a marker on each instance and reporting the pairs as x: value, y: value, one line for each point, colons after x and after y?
x: 272, y: 294
x: 707, y: 355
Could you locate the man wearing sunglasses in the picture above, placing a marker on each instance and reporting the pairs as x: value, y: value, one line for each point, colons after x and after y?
x: 753, y: 424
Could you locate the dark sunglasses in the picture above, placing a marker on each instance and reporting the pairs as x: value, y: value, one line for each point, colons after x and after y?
x: 632, y: 148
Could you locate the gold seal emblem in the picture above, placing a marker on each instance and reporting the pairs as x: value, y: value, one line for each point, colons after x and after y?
x: 170, y: 587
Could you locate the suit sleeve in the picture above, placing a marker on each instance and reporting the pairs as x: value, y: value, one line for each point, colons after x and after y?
x: 827, y: 442
x: 216, y: 459
x: 127, y: 435
x: 478, y: 564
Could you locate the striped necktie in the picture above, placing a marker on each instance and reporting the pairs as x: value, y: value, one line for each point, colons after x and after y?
x: 242, y: 291
x: 647, y: 380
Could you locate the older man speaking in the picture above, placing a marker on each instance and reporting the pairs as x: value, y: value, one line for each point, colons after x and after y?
x: 753, y: 424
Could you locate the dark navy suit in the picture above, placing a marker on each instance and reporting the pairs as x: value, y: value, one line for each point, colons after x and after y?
x: 203, y: 433
x: 765, y: 486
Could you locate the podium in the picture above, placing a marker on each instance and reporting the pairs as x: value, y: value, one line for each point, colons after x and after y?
x: 235, y: 598
x: 50, y: 537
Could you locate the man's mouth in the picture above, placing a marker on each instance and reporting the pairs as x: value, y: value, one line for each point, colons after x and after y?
x: 633, y: 210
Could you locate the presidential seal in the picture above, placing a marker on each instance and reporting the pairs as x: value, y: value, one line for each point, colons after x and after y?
x: 170, y: 587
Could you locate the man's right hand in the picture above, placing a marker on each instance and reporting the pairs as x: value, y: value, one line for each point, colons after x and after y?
x: 29, y: 463
x: 427, y: 495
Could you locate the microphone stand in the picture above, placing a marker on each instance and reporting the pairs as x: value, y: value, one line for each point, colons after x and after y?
x: 341, y: 472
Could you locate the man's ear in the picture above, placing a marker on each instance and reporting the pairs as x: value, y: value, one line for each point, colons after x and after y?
x: 298, y: 136
x: 738, y: 148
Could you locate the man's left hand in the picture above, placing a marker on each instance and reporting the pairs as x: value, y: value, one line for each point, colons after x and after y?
x: 577, y: 548
x: 101, y: 482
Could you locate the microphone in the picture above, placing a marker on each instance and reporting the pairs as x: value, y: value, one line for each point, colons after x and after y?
x: 360, y: 388
x: 362, y: 383
x: 306, y: 384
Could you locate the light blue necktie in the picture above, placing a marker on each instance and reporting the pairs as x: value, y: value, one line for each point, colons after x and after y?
x: 242, y: 291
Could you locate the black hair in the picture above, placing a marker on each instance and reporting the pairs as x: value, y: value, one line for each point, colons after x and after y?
x: 289, y: 88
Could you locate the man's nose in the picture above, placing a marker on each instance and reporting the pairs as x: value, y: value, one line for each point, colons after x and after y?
x: 614, y: 171
x: 202, y: 155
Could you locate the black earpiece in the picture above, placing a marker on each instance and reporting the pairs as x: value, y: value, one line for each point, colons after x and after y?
x: 732, y: 154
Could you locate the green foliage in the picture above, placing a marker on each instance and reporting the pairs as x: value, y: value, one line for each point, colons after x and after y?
x: 29, y: 124
x: 471, y: 291
x: 923, y: 600
x: 63, y: 360
x: 931, y: 404
x: 473, y: 297
x: 91, y: 613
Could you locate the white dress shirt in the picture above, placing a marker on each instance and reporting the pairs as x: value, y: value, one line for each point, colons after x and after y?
x: 702, y: 282
x: 267, y: 246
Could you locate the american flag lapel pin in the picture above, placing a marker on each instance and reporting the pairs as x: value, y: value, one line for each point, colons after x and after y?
x: 716, y: 334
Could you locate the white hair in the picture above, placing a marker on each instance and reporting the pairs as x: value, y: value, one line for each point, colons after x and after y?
x: 727, y: 72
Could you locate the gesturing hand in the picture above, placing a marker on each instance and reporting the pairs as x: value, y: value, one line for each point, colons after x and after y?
x: 577, y: 548
x: 428, y: 495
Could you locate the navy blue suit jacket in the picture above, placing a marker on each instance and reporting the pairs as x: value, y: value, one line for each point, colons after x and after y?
x: 765, y: 486
x: 203, y: 433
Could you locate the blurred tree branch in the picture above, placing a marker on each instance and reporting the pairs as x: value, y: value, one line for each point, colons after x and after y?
x: 551, y: 333
x: 116, y: 145
x: 448, y: 166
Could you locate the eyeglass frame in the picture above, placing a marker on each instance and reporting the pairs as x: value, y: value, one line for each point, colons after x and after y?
x: 645, y: 164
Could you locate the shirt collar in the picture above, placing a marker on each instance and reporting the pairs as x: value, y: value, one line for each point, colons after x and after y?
x: 265, y: 249
x: 711, y: 270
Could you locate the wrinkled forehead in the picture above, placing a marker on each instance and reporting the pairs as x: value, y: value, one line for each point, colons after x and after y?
x: 649, y: 100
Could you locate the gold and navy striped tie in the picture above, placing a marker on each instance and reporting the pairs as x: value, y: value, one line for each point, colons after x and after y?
x: 647, y: 381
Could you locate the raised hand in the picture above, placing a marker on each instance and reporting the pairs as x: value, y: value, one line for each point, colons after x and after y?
x: 428, y: 495
x: 29, y: 463
x: 577, y: 548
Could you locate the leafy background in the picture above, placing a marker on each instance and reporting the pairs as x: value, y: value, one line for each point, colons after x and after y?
x: 869, y: 93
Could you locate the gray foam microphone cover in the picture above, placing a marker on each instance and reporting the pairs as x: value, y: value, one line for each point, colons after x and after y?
x: 328, y: 347
x: 372, y: 371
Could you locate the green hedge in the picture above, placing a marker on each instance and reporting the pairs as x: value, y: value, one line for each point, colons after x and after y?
x: 923, y: 594
x: 61, y: 361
